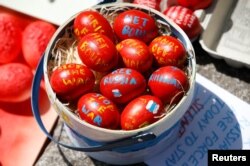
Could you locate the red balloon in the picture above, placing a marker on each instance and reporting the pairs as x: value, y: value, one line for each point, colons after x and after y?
x: 168, y: 50
x: 186, y: 19
x: 135, y: 54
x: 98, y: 110
x: 97, y: 52
x: 169, y: 83
x: 70, y: 81
x: 135, y: 24
x: 91, y: 22
x: 141, y: 112
x: 122, y: 85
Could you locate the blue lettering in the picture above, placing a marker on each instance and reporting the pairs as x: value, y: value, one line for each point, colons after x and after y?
x: 95, y: 104
x: 133, y: 32
x: 191, y: 139
x: 125, y: 30
x: 84, y: 110
x: 133, y: 81
x: 222, y: 125
x: 106, y: 80
x: 106, y: 101
x: 188, y: 117
x: 116, y: 93
x: 209, y: 115
x: 160, y: 78
x: 98, y: 120
x: 202, y: 149
x: 175, y: 156
x: 193, y: 160
x: 184, y: 164
x: 144, y: 22
x: 232, y: 136
x: 136, y: 20
x: 122, y: 71
x: 119, y: 79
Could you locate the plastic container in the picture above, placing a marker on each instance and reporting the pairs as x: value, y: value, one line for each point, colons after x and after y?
x: 117, y: 146
x: 226, y: 32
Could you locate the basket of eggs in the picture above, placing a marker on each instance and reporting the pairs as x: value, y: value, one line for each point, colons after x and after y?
x: 120, y: 76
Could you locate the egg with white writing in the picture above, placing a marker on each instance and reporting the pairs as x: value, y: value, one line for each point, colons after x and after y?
x: 123, y: 85
x: 186, y: 19
x: 168, y: 50
x: 98, y: 110
x: 141, y: 112
x: 169, y: 83
x: 135, y: 54
x: 70, y: 81
x: 155, y: 4
x: 97, y: 52
x: 135, y: 24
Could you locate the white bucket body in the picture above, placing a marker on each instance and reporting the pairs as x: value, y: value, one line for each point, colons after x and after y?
x: 98, y: 134
x: 129, y: 155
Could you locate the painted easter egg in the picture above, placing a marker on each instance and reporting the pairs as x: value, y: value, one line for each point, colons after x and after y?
x: 186, y: 19
x: 123, y: 85
x: 169, y: 83
x: 135, y: 54
x: 97, y: 52
x: 168, y: 50
x: 195, y: 4
x: 141, y: 112
x: 92, y: 22
x: 135, y: 24
x: 70, y: 81
x: 98, y: 110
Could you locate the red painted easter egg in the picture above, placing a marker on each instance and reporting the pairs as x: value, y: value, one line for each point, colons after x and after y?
x: 195, y: 4
x: 141, y: 112
x: 98, y: 110
x: 70, y: 81
x: 135, y: 24
x: 135, y: 54
x: 169, y: 83
x: 122, y: 85
x: 92, y: 22
x: 168, y: 50
x: 186, y: 19
x: 97, y: 52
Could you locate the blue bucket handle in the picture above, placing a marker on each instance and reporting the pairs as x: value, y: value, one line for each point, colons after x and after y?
x: 140, y: 138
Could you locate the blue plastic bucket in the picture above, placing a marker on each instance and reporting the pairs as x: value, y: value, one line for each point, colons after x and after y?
x: 116, y: 146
